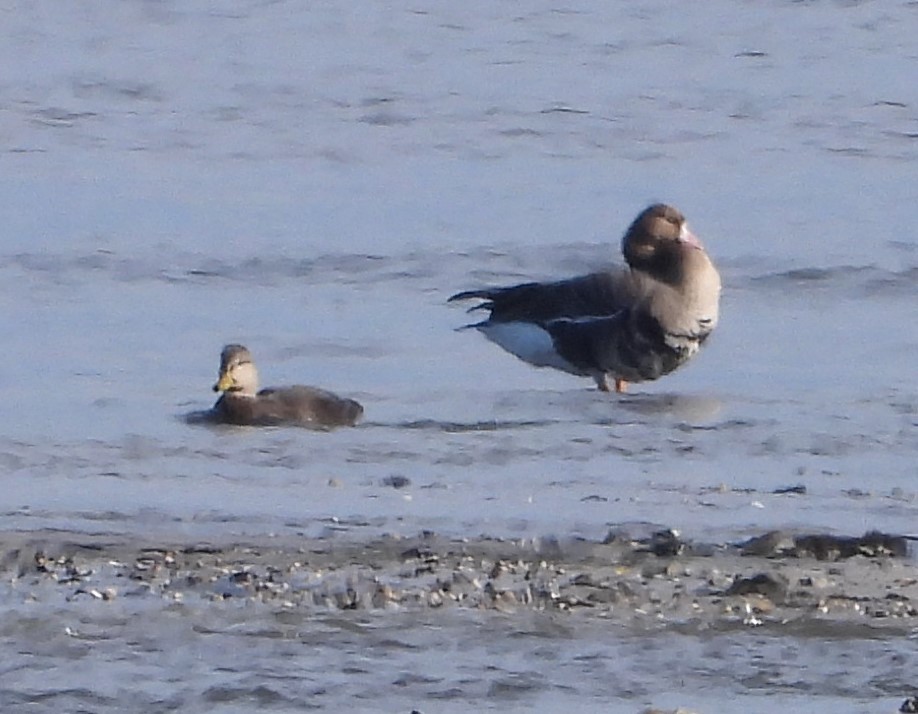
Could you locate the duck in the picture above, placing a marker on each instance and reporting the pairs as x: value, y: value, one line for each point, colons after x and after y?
x: 242, y: 404
x: 633, y: 323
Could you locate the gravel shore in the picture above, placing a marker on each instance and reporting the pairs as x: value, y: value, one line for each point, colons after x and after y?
x: 654, y: 580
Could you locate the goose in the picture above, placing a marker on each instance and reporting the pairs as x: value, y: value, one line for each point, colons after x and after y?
x: 242, y: 404
x: 628, y: 324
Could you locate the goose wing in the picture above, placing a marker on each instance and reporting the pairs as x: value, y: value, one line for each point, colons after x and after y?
x: 603, y: 293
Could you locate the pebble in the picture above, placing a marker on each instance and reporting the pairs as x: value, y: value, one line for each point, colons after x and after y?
x: 661, y: 577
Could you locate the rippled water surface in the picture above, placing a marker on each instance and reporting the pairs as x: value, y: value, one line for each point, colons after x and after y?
x: 314, y: 181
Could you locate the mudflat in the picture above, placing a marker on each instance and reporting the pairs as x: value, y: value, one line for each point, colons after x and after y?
x: 654, y: 579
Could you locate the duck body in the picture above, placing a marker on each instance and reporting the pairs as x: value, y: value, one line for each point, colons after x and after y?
x: 243, y: 404
x: 296, y: 405
x: 631, y: 324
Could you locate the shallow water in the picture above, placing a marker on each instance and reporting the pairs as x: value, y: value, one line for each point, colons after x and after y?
x: 316, y: 181
x: 234, y: 660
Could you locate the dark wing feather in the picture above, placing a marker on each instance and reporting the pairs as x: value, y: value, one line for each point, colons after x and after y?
x: 310, y: 406
x: 597, y: 294
x: 305, y: 406
x: 630, y: 345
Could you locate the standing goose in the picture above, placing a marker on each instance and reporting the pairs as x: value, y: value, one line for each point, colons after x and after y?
x: 631, y: 324
x: 241, y: 403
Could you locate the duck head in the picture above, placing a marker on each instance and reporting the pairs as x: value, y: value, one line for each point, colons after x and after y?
x: 237, y: 372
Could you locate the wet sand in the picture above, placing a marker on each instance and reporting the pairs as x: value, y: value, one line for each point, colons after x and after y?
x: 654, y: 580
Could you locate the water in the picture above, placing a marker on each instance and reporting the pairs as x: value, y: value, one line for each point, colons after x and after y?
x: 315, y: 181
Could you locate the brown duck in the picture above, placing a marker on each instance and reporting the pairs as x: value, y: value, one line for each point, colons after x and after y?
x: 241, y: 403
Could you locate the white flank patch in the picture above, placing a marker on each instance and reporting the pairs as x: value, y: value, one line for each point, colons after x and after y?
x: 529, y: 342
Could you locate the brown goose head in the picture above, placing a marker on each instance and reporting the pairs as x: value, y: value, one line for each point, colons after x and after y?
x: 237, y: 372
x: 658, y: 243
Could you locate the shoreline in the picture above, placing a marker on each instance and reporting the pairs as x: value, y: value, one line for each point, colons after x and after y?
x: 655, y: 581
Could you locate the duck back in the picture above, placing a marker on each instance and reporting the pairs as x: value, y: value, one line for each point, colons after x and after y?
x: 300, y: 405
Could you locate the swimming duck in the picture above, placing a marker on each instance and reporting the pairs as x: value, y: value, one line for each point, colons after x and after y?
x: 241, y: 403
x: 624, y: 325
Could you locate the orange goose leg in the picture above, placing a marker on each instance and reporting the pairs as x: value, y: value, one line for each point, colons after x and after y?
x: 620, y: 387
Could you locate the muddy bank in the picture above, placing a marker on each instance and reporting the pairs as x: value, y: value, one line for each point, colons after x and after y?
x: 654, y: 580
